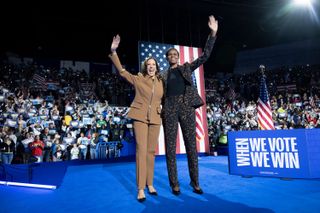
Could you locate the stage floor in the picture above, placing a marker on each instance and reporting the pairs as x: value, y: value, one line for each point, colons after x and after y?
x: 111, y: 187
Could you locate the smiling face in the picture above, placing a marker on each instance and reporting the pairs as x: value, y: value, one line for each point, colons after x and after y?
x: 151, y: 67
x: 172, y: 56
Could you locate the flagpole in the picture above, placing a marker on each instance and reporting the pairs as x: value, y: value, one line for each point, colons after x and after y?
x: 265, y: 120
x: 262, y: 70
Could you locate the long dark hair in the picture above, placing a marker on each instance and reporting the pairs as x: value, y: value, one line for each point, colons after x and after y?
x: 144, y: 67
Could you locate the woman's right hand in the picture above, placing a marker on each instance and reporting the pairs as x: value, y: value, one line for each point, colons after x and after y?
x: 115, y: 43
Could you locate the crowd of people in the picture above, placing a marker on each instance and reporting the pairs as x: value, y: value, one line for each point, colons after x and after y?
x: 56, y: 114
x: 294, y: 100
x: 47, y: 119
x: 44, y: 125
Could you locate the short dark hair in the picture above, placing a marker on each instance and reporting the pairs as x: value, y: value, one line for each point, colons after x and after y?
x: 171, y: 48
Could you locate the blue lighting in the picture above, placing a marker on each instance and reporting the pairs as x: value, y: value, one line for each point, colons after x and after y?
x: 8, y: 183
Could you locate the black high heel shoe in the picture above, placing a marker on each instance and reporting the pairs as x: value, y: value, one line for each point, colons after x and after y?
x: 196, y: 189
x: 155, y: 193
x: 152, y: 193
x: 176, y: 190
x: 141, y: 199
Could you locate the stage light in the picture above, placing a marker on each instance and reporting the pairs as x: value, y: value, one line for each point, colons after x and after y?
x: 305, y: 3
x: 305, y: 7
x: 8, y: 183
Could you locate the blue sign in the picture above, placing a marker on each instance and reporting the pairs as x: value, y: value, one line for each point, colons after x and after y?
x: 275, y: 153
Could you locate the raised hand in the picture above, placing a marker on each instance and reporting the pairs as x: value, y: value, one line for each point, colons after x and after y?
x: 115, y: 43
x: 213, y: 24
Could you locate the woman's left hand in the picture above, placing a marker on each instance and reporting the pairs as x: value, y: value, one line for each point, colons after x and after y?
x: 213, y: 24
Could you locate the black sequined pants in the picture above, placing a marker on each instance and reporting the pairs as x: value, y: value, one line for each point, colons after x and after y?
x: 174, y: 112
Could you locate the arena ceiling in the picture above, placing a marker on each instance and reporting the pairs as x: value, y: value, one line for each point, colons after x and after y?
x: 83, y: 31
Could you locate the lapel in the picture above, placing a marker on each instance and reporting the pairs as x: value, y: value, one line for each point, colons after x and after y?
x: 185, y: 75
x: 165, y: 75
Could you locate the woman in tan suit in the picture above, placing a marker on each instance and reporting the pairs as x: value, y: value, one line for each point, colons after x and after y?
x: 145, y: 111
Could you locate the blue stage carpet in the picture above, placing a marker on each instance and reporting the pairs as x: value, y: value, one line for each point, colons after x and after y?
x: 110, y: 187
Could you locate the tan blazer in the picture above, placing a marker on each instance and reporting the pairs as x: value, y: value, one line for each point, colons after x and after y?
x: 149, y: 92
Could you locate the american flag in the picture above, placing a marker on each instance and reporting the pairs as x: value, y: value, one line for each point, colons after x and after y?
x: 187, y: 54
x: 264, y: 110
x: 40, y: 81
x: 87, y: 90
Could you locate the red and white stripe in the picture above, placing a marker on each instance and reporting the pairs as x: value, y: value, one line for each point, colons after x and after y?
x: 264, y: 115
x: 41, y: 81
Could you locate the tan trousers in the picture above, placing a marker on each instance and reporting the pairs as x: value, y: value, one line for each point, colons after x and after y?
x: 147, y: 139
